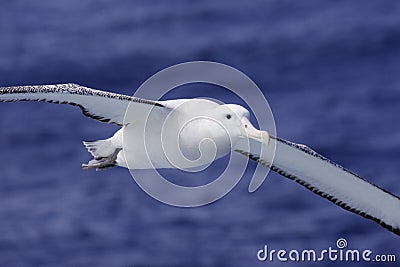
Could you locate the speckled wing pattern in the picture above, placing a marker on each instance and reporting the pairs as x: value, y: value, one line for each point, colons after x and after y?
x: 332, y: 181
x: 99, y: 105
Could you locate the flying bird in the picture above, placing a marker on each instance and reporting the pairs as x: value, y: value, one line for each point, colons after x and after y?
x: 187, y: 133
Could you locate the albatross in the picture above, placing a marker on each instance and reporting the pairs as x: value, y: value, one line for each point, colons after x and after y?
x: 194, y: 132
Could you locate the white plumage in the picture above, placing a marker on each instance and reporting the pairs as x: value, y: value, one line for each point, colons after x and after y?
x: 189, y: 133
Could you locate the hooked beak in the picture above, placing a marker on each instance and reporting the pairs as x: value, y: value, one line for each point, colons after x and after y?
x: 253, y: 133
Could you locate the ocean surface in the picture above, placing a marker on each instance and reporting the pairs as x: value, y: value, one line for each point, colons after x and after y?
x: 329, y: 69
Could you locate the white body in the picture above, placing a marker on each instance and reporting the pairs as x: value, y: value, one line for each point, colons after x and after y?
x: 181, y: 136
x: 195, y: 132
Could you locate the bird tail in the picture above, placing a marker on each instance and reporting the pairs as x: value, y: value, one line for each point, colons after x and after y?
x: 104, y: 153
x: 99, y: 148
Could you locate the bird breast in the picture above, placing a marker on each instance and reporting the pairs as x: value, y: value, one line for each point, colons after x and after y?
x: 204, y: 140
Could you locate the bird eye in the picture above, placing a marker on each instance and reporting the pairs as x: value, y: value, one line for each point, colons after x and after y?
x: 228, y: 116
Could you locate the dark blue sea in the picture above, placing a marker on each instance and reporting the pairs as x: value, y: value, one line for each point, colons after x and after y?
x: 329, y: 69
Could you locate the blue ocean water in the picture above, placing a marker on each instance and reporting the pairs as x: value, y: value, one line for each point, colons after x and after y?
x: 330, y: 71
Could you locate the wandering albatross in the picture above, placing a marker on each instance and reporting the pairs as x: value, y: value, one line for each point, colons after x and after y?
x: 195, y: 120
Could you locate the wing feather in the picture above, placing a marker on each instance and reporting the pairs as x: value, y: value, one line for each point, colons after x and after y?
x: 328, y: 180
x: 99, y: 105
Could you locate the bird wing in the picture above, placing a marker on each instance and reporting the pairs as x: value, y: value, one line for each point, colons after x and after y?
x: 327, y: 179
x: 96, y: 104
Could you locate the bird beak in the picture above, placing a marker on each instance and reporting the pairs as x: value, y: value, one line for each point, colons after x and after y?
x: 253, y: 133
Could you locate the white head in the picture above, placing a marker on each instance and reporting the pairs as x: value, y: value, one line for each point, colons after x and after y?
x: 236, y: 120
x: 213, y: 131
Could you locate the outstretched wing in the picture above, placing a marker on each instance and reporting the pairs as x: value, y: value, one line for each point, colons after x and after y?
x: 329, y: 180
x: 96, y: 104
